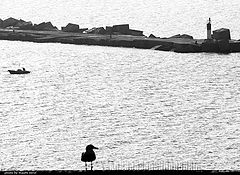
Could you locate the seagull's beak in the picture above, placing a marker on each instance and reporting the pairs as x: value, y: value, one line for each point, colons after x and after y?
x: 95, y: 147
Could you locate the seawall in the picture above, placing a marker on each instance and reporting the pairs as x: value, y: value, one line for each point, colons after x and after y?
x: 181, y: 45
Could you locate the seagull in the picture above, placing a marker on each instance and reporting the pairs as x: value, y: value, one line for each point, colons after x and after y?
x: 89, y: 155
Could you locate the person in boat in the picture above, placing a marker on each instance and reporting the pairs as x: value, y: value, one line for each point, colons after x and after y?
x: 23, y: 69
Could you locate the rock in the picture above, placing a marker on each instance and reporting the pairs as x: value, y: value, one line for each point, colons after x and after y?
x: 152, y: 36
x: 71, y: 28
x: 222, y: 34
x: 90, y: 30
x: 186, y: 36
x: 45, y: 26
x: 1, y: 21
x: 182, y: 36
x: 135, y: 32
x: 109, y: 30
x: 82, y: 30
x: 9, y: 22
x: 122, y: 28
x: 175, y: 36
x: 24, y: 25
x: 99, y: 30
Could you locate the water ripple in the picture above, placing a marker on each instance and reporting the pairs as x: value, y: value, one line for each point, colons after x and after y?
x: 172, y: 107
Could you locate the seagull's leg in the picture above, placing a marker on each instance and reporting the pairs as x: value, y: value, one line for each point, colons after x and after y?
x: 86, y: 165
x: 91, y: 166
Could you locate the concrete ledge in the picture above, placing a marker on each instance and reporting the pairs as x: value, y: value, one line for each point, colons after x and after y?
x: 186, y: 48
x: 121, y: 172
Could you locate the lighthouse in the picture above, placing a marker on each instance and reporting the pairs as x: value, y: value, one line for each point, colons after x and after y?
x: 209, y: 31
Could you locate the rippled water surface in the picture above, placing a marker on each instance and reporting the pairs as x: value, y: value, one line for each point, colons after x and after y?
x: 137, y: 106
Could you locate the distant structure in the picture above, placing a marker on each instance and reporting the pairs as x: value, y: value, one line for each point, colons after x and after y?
x: 71, y: 28
x: 89, y: 155
x: 209, y: 30
x: 221, y: 34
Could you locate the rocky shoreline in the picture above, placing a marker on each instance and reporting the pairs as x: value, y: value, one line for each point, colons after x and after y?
x: 116, y: 36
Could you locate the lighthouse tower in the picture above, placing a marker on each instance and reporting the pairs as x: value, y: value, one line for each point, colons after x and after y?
x: 209, y: 31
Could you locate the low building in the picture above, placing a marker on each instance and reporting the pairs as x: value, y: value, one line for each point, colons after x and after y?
x: 221, y: 34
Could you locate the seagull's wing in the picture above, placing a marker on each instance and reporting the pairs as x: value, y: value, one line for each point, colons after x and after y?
x: 83, y: 157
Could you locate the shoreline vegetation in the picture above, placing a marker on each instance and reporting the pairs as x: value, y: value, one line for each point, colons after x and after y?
x: 116, y: 36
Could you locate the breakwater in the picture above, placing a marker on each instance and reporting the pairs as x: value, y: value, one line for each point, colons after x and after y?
x: 182, y: 45
x: 116, y: 36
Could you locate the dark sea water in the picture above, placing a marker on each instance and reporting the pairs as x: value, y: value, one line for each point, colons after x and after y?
x: 140, y: 107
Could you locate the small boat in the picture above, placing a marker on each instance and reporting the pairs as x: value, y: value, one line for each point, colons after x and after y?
x: 19, y: 71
